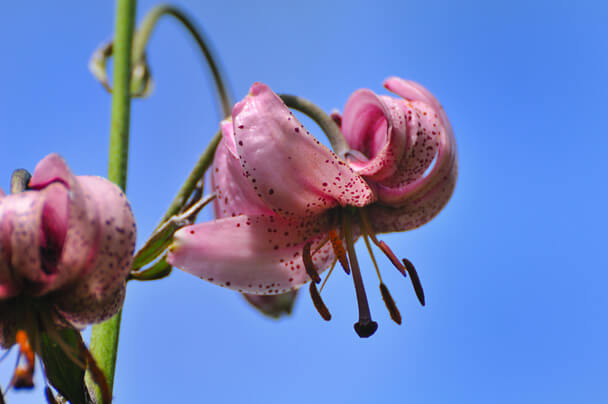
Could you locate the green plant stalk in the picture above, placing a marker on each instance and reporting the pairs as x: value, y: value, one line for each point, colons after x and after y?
x: 145, y: 30
x: 203, y: 163
x: 331, y: 129
x: 104, y: 336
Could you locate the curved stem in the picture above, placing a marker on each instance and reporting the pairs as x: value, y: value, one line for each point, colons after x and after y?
x: 331, y: 129
x: 145, y: 31
x: 104, y: 336
x: 201, y: 166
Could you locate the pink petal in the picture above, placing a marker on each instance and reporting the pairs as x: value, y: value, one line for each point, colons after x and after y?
x: 99, y: 290
x: 80, y: 246
x: 413, y: 91
x: 291, y: 171
x: 256, y: 254
x: 235, y: 193
x: 445, y: 168
x: 20, y: 221
x: 375, y: 126
x: 416, y: 211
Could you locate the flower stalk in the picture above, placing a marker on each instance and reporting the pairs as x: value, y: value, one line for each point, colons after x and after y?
x: 104, y: 336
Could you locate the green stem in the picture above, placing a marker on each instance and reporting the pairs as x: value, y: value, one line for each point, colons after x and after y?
x: 104, y: 336
x: 146, y: 28
x: 331, y: 129
x: 203, y: 163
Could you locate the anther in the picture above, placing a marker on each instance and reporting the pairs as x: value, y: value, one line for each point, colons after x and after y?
x: 415, y: 280
x: 390, y: 304
x: 309, y: 265
x: 24, y: 375
x: 339, y: 250
x: 318, y: 302
x: 391, y: 256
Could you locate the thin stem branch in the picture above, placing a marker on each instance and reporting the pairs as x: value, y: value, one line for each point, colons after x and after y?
x: 145, y: 31
x: 104, y: 336
x: 331, y: 129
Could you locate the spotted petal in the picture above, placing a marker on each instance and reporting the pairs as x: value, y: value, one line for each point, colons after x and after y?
x: 291, y: 171
x: 255, y: 254
x: 99, y: 291
x: 376, y: 127
x: 443, y: 173
x: 235, y: 193
x: 81, y: 232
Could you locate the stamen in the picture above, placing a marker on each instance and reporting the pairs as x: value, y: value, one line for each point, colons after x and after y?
x: 371, y: 254
x: 331, y: 269
x: 390, y: 304
x: 365, y: 327
x: 24, y: 375
x: 386, y: 296
x: 336, y: 243
x: 309, y: 265
x: 391, y: 256
x: 318, y: 302
x: 367, y: 228
x: 415, y: 280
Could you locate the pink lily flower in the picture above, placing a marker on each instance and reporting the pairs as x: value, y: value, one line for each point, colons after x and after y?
x: 277, y: 187
x: 66, y: 247
x: 406, y: 148
x: 285, y: 203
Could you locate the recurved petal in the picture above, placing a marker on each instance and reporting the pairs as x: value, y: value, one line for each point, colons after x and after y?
x: 235, y: 193
x: 97, y: 292
x: 376, y: 127
x: 83, y: 226
x: 291, y: 171
x: 79, y: 308
x: 445, y: 168
x: 418, y: 211
x: 20, y: 232
x: 413, y: 91
x: 255, y: 254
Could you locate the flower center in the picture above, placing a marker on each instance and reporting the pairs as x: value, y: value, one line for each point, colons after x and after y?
x: 365, y: 326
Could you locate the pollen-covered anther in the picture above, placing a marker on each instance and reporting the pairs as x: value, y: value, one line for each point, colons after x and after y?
x: 24, y: 374
x: 390, y: 255
x: 309, y: 265
x: 318, y: 302
x: 339, y: 250
x: 390, y: 304
x: 415, y: 280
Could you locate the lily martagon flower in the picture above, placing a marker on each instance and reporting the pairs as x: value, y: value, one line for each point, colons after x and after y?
x: 287, y: 206
x: 66, y: 247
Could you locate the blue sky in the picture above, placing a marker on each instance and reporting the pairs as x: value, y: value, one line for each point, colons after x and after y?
x: 514, y: 268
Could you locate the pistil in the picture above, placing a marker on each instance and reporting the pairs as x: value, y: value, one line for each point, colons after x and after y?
x: 365, y: 327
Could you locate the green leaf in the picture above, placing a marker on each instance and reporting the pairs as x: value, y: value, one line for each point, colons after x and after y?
x: 65, y: 375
